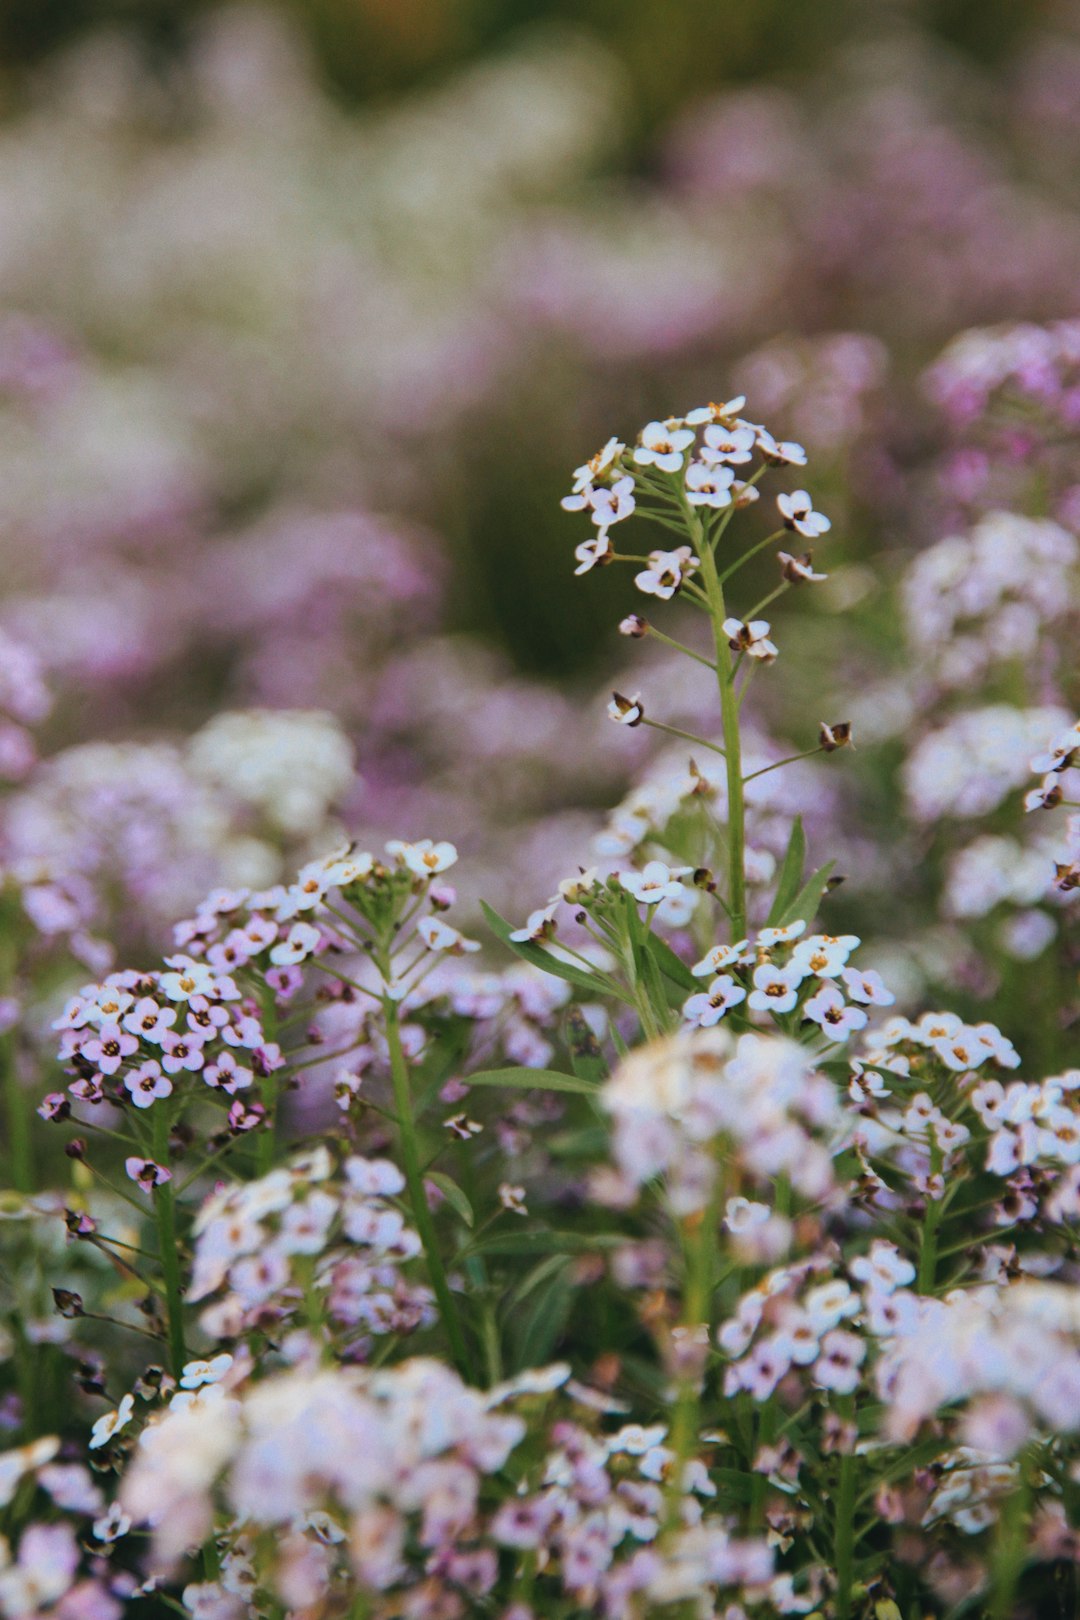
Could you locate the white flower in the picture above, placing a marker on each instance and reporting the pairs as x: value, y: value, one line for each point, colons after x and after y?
x: 869, y: 987
x: 721, y: 956
x: 825, y: 954
x: 716, y: 413
x: 740, y: 1214
x: 883, y: 1269
x: 439, y: 936
x: 781, y: 936
x: 829, y: 1010
x: 197, y: 1373
x: 423, y: 857
x: 797, y: 511
x: 657, y: 882
x: 540, y: 925
x: 592, y: 553
x: 783, y: 451
x: 730, y: 444
x: 776, y: 989
x: 512, y: 1198
x: 666, y: 572
x: 708, y: 486
x: 1045, y: 796
x: 615, y: 504
x: 662, y: 446
x: 799, y: 570
x: 751, y: 638
x: 709, y: 1006
x: 188, y: 978
x: 1062, y: 753
x: 111, y: 1423
x: 625, y: 711
x: 113, y: 1524
x: 298, y: 945
x: 595, y: 467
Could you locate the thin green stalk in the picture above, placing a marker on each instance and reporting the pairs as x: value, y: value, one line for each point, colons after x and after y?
x: 1009, y: 1552
x: 928, y: 1255
x: 168, y: 1254
x: 697, y: 1312
x: 16, y: 1100
x: 844, y: 1525
x: 679, y: 646
x: 410, y: 1155
x: 687, y: 736
x: 729, y: 712
x: 807, y: 753
x: 18, y: 1119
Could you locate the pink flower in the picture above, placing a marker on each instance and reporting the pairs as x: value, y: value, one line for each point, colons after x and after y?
x: 111, y: 1047
x: 147, y: 1173
x: 147, y: 1084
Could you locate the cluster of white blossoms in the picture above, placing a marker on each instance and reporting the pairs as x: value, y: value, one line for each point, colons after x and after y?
x: 972, y: 601
x: 673, y: 1101
x: 1012, y: 1352
x: 791, y: 977
x: 268, y: 1248
x: 975, y: 759
x: 1059, y: 767
x: 686, y: 470
x: 404, y: 1491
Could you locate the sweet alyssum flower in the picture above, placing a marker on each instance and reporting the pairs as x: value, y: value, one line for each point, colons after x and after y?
x: 797, y: 511
x: 662, y: 446
x: 666, y: 572
x: 752, y: 638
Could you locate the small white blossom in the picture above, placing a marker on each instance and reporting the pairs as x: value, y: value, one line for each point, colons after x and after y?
x: 662, y: 446
x: 666, y: 572
x: 752, y: 638
x: 797, y: 511
x: 657, y: 882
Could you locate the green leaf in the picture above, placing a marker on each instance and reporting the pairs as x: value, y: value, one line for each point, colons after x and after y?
x: 791, y: 872
x: 532, y: 1279
x: 538, y: 1328
x: 453, y: 1195
x: 806, y: 902
x: 595, y: 984
x: 671, y: 966
x: 541, y: 1240
x: 533, y: 1080
x: 649, y: 975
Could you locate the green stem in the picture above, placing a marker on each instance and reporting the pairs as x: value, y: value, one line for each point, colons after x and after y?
x: 669, y: 641
x: 807, y: 753
x: 1009, y: 1552
x: 844, y: 1527
x: 410, y: 1155
x: 16, y: 1100
x: 18, y: 1119
x: 264, y: 1147
x: 169, y: 1257
x: 928, y: 1252
x: 695, y: 1314
x: 729, y: 712
x: 687, y: 736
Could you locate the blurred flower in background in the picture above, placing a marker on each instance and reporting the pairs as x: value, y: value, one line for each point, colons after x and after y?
x: 303, y: 311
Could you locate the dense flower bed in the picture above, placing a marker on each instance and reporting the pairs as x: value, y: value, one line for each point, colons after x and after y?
x: 656, y: 1253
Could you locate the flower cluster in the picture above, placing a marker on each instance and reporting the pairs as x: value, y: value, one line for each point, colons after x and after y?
x: 380, y: 1483
x: 302, y: 1254
x: 677, y: 1104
